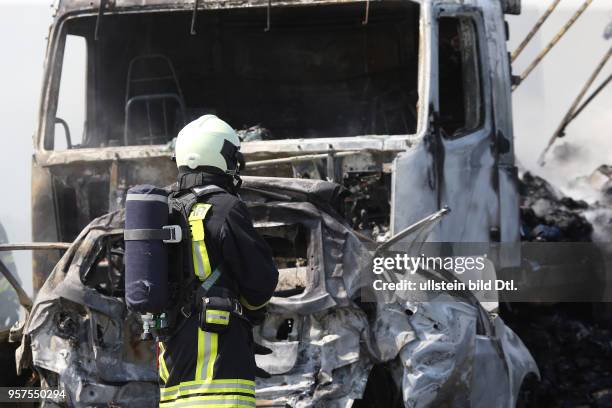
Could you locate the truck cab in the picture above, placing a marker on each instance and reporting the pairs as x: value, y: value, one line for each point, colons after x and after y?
x: 405, y: 103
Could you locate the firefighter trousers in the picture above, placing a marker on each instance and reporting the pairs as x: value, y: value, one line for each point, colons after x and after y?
x: 202, y: 369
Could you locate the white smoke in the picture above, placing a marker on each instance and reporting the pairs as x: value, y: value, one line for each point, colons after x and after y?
x: 540, y: 103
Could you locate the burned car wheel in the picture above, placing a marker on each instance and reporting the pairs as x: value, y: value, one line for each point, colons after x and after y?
x: 527, y: 396
x: 382, y: 390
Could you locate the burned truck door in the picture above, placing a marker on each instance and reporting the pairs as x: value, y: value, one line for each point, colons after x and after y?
x: 463, y: 129
x: 456, y: 162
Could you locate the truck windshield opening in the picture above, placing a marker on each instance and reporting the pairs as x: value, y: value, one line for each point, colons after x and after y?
x: 320, y: 71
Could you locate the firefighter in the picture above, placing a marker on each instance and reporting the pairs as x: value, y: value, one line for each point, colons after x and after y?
x: 209, y: 360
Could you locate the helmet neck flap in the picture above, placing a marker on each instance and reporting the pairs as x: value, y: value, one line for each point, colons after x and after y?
x: 203, y: 176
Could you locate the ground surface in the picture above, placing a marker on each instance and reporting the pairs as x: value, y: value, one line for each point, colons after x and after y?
x: 572, y: 350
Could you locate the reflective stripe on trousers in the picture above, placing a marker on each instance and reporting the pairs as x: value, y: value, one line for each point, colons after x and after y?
x: 163, y: 369
x: 213, y: 401
x: 207, y: 353
x: 223, y: 392
x: 205, y: 390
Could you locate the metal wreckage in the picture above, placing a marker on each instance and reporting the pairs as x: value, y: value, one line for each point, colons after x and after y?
x: 362, y: 121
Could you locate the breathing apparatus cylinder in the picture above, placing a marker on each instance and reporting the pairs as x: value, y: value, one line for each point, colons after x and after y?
x: 146, y: 254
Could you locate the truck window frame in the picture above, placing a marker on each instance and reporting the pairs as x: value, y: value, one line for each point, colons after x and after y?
x: 44, y: 140
x: 476, y: 18
x: 52, y: 82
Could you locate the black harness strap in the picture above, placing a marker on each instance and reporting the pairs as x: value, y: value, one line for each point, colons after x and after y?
x: 183, y: 201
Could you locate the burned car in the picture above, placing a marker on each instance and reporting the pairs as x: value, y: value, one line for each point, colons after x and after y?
x: 330, y: 348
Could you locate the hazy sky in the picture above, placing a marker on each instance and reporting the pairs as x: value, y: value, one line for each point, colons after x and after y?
x: 539, y: 103
x: 542, y: 100
x: 23, y: 28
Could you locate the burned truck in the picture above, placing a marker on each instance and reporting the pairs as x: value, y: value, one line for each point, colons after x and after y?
x: 358, y: 120
x: 409, y: 100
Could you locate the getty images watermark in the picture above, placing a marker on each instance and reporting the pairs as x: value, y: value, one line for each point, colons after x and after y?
x: 406, y: 265
x: 508, y: 272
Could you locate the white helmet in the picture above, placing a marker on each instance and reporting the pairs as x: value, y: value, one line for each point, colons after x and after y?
x: 208, y: 143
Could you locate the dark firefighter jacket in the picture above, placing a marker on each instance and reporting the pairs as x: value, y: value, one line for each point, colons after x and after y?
x: 198, y: 367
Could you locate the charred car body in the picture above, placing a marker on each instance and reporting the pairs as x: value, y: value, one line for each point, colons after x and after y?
x: 329, y: 348
x: 405, y: 103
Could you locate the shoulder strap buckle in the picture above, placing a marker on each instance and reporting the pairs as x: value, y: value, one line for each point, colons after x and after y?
x: 237, y: 307
x: 176, y: 234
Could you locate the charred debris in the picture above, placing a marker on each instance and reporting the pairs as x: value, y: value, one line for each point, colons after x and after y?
x: 571, y: 342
